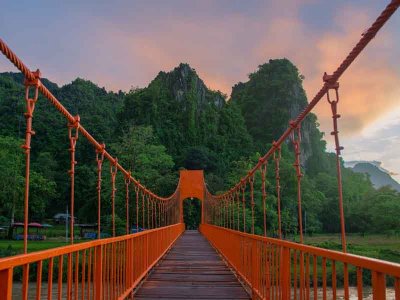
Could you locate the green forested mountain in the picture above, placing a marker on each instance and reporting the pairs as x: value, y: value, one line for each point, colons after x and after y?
x: 272, y: 97
x: 177, y: 122
x: 199, y: 129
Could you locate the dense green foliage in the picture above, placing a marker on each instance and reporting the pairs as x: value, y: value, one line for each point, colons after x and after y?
x: 269, y: 100
x: 177, y: 122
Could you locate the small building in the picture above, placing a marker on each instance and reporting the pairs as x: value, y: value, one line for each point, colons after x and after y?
x: 62, y: 218
x: 37, y: 236
x: 87, y: 231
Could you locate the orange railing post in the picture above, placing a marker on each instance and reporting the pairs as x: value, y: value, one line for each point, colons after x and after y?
x: 50, y: 279
x: 6, y: 281
x: 378, y: 286
x: 254, y: 269
x: 285, y: 272
x: 147, y: 250
x: 98, y: 275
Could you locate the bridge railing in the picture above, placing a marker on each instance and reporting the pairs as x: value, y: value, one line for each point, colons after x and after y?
x: 102, y: 269
x: 279, y: 269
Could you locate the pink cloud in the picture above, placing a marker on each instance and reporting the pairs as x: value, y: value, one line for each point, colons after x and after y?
x: 225, y: 47
x: 370, y: 87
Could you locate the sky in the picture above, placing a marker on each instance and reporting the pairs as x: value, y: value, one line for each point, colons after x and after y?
x: 124, y: 44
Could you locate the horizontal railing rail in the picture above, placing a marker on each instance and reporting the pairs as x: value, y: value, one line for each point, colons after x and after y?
x: 279, y: 269
x: 102, y: 269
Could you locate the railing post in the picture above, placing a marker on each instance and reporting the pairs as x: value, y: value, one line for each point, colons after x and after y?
x: 147, y: 250
x: 6, y: 279
x: 254, y: 269
x: 98, y: 276
x: 127, y: 266
x: 378, y: 286
x: 285, y: 272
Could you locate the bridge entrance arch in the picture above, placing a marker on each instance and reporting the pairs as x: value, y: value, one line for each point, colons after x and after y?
x: 191, y: 185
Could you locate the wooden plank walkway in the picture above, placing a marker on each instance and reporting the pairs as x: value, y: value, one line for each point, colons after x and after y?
x: 191, y: 270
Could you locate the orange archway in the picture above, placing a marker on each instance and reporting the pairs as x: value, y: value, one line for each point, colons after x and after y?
x: 191, y: 184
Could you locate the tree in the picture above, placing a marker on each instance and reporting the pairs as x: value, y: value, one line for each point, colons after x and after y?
x: 147, y: 159
x: 42, y: 190
x: 11, y: 179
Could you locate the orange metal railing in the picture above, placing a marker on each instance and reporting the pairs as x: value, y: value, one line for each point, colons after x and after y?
x: 102, y: 269
x: 278, y: 269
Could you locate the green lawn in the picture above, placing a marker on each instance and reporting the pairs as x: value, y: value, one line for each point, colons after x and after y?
x: 11, y: 247
x: 375, y: 246
x: 55, y: 238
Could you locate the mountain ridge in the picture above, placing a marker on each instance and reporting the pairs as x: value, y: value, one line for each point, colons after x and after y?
x: 379, y: 176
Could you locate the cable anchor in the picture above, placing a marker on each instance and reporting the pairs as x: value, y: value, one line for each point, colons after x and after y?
x: 30, y: 107
x: 333, y: 85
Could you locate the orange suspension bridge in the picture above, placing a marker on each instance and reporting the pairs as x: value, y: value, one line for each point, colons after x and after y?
x: 225, y: 260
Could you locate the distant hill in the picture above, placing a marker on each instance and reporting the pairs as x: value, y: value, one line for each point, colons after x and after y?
x: 378, y: 175
x: 183, y: 111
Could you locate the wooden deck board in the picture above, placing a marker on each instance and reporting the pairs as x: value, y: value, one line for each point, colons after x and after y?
x: 191, y: 270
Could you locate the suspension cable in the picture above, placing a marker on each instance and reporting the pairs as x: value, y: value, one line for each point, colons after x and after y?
x: 73, y: 133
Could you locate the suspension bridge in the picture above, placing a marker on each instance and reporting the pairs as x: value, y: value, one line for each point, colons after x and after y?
x: 224, y: 259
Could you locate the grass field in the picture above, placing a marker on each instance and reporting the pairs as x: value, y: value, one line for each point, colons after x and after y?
x: 375, y: 246
x: 55, y: 238
x: 10, y: 247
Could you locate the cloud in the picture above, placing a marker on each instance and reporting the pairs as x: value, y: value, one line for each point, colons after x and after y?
x: 370, y: 87
x: 379, y: 141
x: 124, y: 46
x: 210, y: 46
